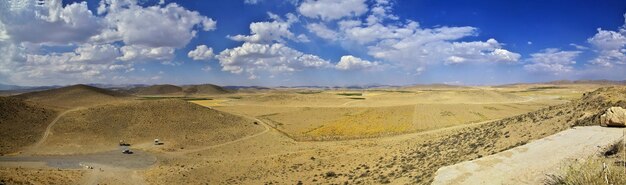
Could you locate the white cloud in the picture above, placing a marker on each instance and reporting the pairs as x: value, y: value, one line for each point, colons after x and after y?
x: 273, y: 58
x: 48, y: 23
x: 206, y: 68
x: 252, y: 1
x: 154, y: 26
x: 268, y: 32
x: 608, y: 58
x: 322, y: 31
x: 579, y: 47
x: 350, y: 62
x: 329, y: 10
x: 96, y: 53
x: 610, y: 47
x: 401, y: 43
x: 87, y: 62
x: 142, y: 53
x: 553, y: 61
x: 607, y: 40
x: 202, y: 52
x: 123, y: 32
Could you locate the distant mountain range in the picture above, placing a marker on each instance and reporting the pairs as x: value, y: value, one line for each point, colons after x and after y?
x: 6, y: 87
x: 18, y: 88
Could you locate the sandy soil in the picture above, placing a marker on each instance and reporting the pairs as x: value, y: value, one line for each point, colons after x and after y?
x: 529, y: 164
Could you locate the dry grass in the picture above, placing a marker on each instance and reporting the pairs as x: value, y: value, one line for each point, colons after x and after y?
x: 590, y: 171
x: 607, y: 169
x: 336, y: 123
x: 21, y: 123
x: 39, y: 176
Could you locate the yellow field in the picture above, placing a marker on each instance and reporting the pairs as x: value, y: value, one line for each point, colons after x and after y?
x: 341, y: 114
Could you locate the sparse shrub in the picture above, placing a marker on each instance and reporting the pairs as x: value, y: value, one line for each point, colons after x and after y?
x: 590, y: 171
x: 330, y: 174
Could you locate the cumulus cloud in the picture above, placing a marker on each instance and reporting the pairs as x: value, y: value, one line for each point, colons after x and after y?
x: 350, y: 62
x: 273, y: 58
x: 265, y: 50
x: 202, y: 52
x: 48, y: 23
x: 610, y: 47
x: 552, y: 61
x: 329, y: 10
x: 120, y: 34
x: 268, y: 32
x: 322, y: 31
x: 405, y: 44
x: 154, y: 26
x: 87, y: 62
x: 140, y: 53
x: 607, y: 40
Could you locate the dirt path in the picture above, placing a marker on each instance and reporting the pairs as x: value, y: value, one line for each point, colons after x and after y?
x: 48, y: 131
x: 529, y: 164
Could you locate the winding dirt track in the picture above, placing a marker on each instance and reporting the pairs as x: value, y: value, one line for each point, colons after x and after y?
x: 530, y: 163
x: 49, y: 128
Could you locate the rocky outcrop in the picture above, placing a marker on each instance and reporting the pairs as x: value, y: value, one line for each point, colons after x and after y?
x: 613, y: 117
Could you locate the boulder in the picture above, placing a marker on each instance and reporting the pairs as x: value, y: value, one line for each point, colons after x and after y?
x: 613, y: 117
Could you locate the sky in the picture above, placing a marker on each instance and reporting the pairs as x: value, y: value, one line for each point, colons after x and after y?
x: 310, y: 42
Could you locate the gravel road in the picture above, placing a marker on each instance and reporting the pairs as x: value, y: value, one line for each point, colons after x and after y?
x: 137, y: 160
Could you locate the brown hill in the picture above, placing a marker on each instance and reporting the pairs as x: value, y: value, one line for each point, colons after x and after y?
x: 74, y: 96
x: 205, y: 89
x: 21, y: 123
x: 178, y: 123
x: 165, y: 89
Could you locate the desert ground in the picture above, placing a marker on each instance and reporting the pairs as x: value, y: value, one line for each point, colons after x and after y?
x: 213, y: 135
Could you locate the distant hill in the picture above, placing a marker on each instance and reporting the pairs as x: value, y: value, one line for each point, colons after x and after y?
x: 434, y: 86
x: 205, y: 89
x: 599, y: 82
x: 22, y: 123
x: 164, y: 89
x: 568, y: 82
x: 173, y: 90
x: 4, y: 87
x: 74, y: 96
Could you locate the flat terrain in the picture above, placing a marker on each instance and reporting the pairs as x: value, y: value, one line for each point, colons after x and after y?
x: 291, y: 136
x: 529, y: 164
x: 338, y: 115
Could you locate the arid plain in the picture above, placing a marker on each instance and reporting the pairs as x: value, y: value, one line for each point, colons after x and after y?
x: 214, y: 135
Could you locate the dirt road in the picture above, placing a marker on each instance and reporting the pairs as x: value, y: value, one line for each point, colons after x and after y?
x: 529, y: 164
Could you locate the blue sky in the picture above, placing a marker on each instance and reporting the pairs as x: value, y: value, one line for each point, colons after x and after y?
x: 310, y: 42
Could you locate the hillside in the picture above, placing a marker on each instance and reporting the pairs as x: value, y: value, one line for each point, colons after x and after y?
x: 74, y: 96
x: 165, y: 89
x: 178, y: 123
x: 204, y: 89
x: 21, y: 123
x: 493, y: 137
